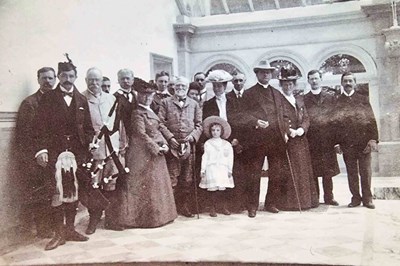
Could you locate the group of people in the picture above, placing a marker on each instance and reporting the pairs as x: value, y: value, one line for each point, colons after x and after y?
x: 155, y: 149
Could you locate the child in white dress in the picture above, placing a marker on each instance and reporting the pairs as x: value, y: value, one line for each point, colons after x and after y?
x: 217, y: 162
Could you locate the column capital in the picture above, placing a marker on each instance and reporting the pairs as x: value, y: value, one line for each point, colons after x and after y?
x: 392, y: 43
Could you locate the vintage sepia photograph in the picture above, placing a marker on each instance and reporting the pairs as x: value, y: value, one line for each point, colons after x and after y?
x: 200, y: 132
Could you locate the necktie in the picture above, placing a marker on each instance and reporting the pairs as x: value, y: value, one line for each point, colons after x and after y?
x: 239, y: 95
x: 68, y: 93
x: 163, y: 95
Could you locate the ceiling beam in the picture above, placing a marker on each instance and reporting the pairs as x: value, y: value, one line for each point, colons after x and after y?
x: 277, y: 5
x: 251, y: 5
x: 225, y: 4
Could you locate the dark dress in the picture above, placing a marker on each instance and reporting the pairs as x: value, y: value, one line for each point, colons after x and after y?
x: 299, y: 164
x: 147, y: 196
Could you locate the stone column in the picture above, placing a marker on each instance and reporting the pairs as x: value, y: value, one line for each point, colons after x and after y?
x: 184, y: 30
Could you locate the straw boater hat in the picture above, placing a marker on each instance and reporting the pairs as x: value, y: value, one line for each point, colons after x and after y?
x: 209, y: 121
x: 288, y: 73
x: 263, y: 65
x: 218, y: 75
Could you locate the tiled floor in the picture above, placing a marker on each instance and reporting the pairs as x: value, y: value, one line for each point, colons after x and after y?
x: 326, y: 235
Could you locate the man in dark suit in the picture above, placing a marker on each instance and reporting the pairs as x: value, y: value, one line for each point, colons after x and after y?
x: 265, y: 136
x: 126, y: 98
x: 357, y: 135
x: 162, y: 93
x: 36, y: 203
x: 63, y: 133
x: 320, y: 104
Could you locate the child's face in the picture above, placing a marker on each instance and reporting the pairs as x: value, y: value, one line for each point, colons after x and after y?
x: 216, y: 131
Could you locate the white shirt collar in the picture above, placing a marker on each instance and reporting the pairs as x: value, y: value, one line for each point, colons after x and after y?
x: 221, y: 97
x: 291, y: 99
x: 238, y: 92
x: 263, y: 85
x: 317, y: 91
x: 125, y: 91
x: 347, y: 94
x: 146, y: 107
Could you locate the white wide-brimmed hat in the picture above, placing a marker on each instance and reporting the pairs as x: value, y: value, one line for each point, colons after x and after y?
x: 218, y: 75
x: 263, y: 65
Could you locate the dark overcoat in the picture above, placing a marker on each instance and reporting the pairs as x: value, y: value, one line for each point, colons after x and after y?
x: 321, y: 133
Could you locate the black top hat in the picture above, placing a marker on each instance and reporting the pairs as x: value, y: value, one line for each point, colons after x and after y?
x: 66, y: 66
x: 142, y: 86
x: 288, y: 73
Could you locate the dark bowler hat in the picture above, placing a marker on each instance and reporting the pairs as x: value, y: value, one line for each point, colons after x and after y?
x: 66, y: 66
x: 142, y: 86
x: 288, y: 73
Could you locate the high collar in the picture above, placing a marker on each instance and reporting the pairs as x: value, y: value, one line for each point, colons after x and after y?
x: 317, y: 91
x: 263, y: 85
x: 347, y: 94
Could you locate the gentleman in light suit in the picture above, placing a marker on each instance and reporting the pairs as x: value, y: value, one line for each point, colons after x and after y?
x: 63, y: 132
x: 357, y: 135
x: 266, y: 136
x: 33, y: 184
x: 100, y: 104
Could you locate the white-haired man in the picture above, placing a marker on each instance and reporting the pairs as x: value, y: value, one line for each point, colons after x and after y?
x: 181, y: 125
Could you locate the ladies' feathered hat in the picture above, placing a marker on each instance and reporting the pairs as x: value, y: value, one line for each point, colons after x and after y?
x: 142, y: 86
x: 288, y: 73
x: 211, y: 120
x: 218, y: 75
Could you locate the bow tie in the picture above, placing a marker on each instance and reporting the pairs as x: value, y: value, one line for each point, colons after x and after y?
x: 68, y: 93
x: 163, y: 95
x: 182, y: 100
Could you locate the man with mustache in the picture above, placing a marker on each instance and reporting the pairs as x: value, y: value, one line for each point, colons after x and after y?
x: 357, y: 135
x: 36, y: 204
x: 63, y: 131
x: 100, y: 104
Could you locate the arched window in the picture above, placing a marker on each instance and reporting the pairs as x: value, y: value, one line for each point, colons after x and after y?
x: 340, y: 63
x: 225, y: 66
x: 278, y: 64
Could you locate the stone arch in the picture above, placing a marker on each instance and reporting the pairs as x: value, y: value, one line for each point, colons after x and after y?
x: 209, y: 62
x: 353, y: 50
x: 286, y: 54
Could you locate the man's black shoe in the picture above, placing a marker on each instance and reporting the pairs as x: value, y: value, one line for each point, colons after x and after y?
x: 272, y: 209
x: 56, y: 241
x: 91, y: 228
x: 186, y: 212
x: 354, y: 204
x: 73, y: 235
x: 252, y: 213
x: 369, y: 205
x: 332, y: 202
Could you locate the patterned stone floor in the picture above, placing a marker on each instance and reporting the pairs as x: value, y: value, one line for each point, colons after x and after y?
x: 326, y: 235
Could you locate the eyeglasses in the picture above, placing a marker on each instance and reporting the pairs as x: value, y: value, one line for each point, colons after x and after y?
x: 238, y: 80
x: 106, y: 86
x: 199, y: 79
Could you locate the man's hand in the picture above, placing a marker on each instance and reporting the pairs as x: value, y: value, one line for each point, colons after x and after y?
x: 174, y: 144
x: 262, y: 123
x: 292, y: 133
x: 189, y: 139
x: 338, y: 150
x: 372, y: 146
x: 42, y: 159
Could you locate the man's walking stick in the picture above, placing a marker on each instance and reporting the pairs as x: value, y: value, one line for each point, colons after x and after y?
x: 294, y: 181
x: 195, y: 178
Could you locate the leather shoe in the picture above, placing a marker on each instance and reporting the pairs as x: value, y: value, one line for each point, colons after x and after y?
x: 186, y: 212
x: 332, y: 202
x: 56, y: 241
x: 252, y: 213
x: 114, y: 227
x: 91, y: 228
x: 369, y: 205
x: 353, y: 204
x: 272, y: 209
x: 73, y: 235
x: 213, y: 213
x: 225, y: 211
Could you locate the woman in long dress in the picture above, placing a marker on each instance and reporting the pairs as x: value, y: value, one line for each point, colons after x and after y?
x: 147, y: 196
x: 300, y: 187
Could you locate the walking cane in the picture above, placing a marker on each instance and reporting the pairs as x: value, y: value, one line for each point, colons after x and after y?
x: 294, y: 181
x: 195, y: 179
